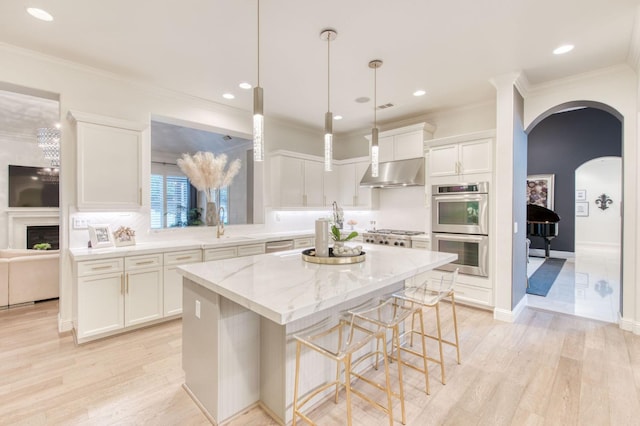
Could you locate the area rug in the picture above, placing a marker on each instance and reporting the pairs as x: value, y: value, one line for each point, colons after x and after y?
x: 542, y: 279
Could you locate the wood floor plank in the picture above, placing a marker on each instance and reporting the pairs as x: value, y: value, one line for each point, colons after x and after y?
x: 545, y: 368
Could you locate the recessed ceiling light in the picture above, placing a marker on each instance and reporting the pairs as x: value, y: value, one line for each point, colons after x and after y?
x: 337, y: 117
x: 244, y: 85
x: 362, y: 100
x: 228, y: 96
x: 40, y: 14
x: 419, y: 93
x: 563, y: 49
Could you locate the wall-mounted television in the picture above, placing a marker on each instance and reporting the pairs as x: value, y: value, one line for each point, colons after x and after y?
x: 34, y: 186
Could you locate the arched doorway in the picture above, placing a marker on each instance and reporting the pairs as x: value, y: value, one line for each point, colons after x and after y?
x: 560, y: 141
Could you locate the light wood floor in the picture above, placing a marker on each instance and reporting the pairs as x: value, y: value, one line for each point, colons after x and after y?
x: 545, y: 369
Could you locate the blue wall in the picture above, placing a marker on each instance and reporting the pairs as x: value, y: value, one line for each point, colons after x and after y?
x: 561, y: 143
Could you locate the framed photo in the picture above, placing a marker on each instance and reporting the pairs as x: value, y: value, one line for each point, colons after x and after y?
x: 100, y: 236
x: 582, y: 208
x: 124, y: 236
x: 581, y: 195
x: 540, y: 190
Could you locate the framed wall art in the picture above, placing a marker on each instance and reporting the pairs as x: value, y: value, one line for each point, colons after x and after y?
x: 540, y: 190
x: 582, y: 209
x: 581, y: 195
x: 100, y: 236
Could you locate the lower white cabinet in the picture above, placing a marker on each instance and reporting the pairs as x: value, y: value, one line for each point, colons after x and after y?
x: 173, y: 281
x: 143, y: 289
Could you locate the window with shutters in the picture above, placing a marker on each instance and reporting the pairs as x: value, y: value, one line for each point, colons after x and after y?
x: 170, y: 197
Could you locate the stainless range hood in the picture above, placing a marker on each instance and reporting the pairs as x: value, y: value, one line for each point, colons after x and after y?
x: 396, y: 174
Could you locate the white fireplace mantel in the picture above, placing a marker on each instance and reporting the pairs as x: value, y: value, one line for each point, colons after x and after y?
x: 19, y: 218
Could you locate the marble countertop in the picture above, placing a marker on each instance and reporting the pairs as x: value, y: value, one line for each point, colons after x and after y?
x: 231, y: 240
x: 283, y: 288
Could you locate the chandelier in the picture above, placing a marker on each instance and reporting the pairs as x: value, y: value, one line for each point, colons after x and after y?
x: 49, y: 141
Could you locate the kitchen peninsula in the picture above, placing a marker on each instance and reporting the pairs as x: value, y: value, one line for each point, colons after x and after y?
x: 238, y: 316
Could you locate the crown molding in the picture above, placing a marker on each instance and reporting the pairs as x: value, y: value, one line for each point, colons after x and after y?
x: 579, y: 77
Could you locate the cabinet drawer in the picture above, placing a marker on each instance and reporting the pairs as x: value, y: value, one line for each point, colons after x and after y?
x: 303, y: 242
x: 132, y: 263
x: 424, y: 245
x: 220, y: 253
x: 95, y: 267
x: 182, y: 257
x: 472, y: 294
x: 250, y: 250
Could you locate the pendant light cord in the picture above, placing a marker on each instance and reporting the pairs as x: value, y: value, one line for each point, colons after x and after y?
x: 258, y: 42
x: 375, y: 96
x: 329, y: 72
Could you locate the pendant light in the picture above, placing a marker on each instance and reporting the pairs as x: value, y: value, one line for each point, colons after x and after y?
x: 375, y: 64
x: 258, y: 111
x: 329, y: 35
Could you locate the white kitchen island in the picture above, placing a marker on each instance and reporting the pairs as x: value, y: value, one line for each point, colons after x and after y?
x: 238, y: 316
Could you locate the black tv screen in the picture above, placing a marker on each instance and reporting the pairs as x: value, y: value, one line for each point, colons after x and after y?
x: 34, y: 186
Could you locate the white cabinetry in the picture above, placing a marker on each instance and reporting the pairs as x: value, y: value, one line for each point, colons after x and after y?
x: 172, y: 299
x: 109, y: 162
x: 296, y: 181
x: 351, y: 193
x: 143, y: 289
x: 471, y: 157
x: 303, y: 242
x: 403, y: 143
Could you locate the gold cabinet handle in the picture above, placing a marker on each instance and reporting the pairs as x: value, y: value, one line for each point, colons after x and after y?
x: 97, y: 268
x: 146, y: 262
x: 183, y: 257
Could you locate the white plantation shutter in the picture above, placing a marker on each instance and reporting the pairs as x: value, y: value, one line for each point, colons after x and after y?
x: 157, y: 201
x: 177, y: 196
x: 169, y: 196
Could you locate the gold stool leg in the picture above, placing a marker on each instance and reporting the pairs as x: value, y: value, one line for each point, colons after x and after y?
x: 396, y: 343
x: 424, y: 352
x: 455, y: 324
x: 295, y: 386
x: 347, y: 385
x: 444, y: 380
x: 387, y: 378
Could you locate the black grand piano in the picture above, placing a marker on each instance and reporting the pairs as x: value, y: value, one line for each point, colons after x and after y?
x: 542, y: 222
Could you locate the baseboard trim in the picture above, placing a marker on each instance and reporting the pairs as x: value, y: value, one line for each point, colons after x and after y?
x: 629, y: 325
x: 64, y: 325
x: 510, y: 316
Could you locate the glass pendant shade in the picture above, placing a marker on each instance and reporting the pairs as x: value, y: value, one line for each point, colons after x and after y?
x: 328, y: 141
x: 258, y: 125
x: 375, y: 159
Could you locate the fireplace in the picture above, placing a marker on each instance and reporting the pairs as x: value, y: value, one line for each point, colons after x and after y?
x: 43, y: 234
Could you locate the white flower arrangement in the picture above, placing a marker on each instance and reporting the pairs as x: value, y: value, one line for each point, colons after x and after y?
x: 207, y: 172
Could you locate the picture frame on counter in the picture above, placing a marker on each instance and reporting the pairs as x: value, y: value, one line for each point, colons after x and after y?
x: 540, y: 190
x: 124, y: 236
x: 100, y: 236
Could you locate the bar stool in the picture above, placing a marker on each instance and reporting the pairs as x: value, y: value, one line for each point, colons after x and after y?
x: 389, y: 314
x: 429, y: 295
x: 339, y: 342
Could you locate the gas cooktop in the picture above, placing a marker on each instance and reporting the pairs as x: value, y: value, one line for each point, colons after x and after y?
x: 393, y: 237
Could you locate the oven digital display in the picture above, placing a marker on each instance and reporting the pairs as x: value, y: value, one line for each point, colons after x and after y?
x: 458, y: 188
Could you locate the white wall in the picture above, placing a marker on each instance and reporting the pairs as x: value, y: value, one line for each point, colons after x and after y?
x: 600, y: 227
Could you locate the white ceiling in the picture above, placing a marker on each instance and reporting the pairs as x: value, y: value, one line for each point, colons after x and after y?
x: 451, y: 48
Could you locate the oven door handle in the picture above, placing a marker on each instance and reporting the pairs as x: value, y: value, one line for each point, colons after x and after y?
x: 461, y: 237
x: 460, y: 197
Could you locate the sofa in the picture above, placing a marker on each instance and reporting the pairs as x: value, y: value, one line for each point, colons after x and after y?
x: 28, y: 275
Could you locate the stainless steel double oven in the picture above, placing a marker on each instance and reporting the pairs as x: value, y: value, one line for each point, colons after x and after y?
x: 460, y: 224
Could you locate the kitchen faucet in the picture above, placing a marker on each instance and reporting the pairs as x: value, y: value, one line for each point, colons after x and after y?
x: 220, y: 229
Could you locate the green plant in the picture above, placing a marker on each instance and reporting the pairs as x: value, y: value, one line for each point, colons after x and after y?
x: 337, y: 236
x: 193, y: 217
x: 42, y: 246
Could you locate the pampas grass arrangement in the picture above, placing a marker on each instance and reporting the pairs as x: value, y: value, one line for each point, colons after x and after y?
x: 207, y: 172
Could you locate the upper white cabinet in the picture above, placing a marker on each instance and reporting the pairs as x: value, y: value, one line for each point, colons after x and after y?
x: 109, y: 162
x: 351, y: 193
x: 297, y: 181
x: 403, y: 143
x: 461, y: 155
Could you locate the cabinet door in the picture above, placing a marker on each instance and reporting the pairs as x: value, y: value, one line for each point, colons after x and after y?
x: 347, y: 184
x: 408, y: 145
x: 143, y: 296
x: 363, y: 194
x: 475, y: 157
x: 443, y: 160
x: 109, y: 167
x: 172, y: 300
x: 385, y: 149
x: 313, y: 177
x: 331, y: 186
x: 100, y: 304
x: 291, y: 183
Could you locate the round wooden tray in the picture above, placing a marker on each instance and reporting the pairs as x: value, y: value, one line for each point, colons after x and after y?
x: 309, y: 255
